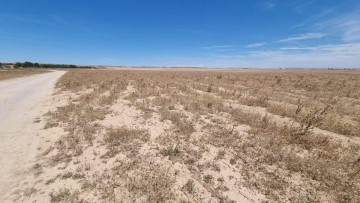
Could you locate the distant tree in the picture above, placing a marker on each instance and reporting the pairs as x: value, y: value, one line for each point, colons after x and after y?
x: 0, y: 65
x: 27, y: 64
x: 36, y: 65
x: 72, y: 66
x: 18, y: 65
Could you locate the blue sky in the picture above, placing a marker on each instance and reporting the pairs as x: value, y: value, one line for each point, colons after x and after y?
x: 205, y: 33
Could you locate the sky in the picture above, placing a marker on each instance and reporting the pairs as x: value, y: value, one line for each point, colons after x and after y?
x: 201, y: 33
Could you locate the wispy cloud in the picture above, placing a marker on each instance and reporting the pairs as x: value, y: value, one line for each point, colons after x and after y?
x: 322, y: 56
x: 256, y: 45
x: 60, y: 20
x: 299, y: 37
x: 341, y: 49
x: 24, y: 19
x: 306, y: 36
x: 298, y: 48
x: 331, y: 40
x: 268, y: 5
x: 52, y: 20
x: 311, y: 20
x: 218, y: 47
x: 344, y: 26
x: 347, y: 26
x: 300, y: 5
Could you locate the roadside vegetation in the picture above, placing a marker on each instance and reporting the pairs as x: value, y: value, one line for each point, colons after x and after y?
x: 203, y: 136
x: 9, y: 74
x: 14, y: 70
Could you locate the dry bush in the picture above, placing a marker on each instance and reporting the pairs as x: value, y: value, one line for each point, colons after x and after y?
x: 185, y: 127
x: 37, y: 168
x: 189, y: 187
x: 64, y: 195
x: 182, y: 125
x: 171, y: 151
x: 177, y: 148
x: 218, y: 133
x: 309, y: 115
x: 124, y: 140
x: 137, y: 181
x: 123, y: 135
x: 163, y: 102
x: 281, y: 110
x: 154, y: 184
x: 262, y: 101
x: 310, y: 120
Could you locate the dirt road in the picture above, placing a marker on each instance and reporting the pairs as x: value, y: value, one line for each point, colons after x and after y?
x: 21, y: 105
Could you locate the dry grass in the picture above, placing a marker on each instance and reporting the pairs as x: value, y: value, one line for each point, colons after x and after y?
x: 9, y: 74
x: 209, y: 136
x: 136, y: 182
x: 125, y: 140
x: 64, y: 195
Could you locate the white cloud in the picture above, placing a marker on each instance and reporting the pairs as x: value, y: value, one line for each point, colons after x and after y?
x: 346, y: 26
x: 256, y: 45
x: 323, y: 56
x: 306, y: 36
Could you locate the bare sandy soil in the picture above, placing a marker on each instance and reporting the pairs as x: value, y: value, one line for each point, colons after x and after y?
x: 21, y: 105
x: 188, y: 136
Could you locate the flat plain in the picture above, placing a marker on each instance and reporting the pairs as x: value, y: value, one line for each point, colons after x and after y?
x: 193, y: 135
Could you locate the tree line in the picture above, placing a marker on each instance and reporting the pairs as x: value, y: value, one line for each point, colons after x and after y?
x: 28, y: 64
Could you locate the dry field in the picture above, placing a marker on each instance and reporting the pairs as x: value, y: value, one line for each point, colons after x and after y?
x: 9, y: 74
x: 200, y: 136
